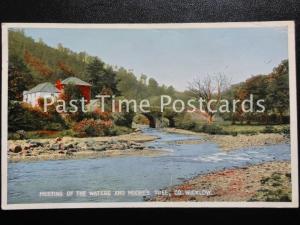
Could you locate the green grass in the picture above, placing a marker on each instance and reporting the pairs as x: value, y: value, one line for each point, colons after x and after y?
x: 44, y: 134
x: 245, y: 129
x: 275, y: 188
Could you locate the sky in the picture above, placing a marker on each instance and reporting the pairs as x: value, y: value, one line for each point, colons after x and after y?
x: 178, y: 56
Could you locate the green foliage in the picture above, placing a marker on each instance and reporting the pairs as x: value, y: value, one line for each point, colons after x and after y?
x: 275, y: 188
x: 118, y: 130
x: 101, y: 76
x: 165, y: 122
x: 273, y: 88
x: 54, y: 126
x: 23, y: 117
x: 19, y: 78
x: 184, y: 121
x: 123, y: 118
x: 92, y: 128
x: 141, y: 119
x: 49, y: 56
x: 211, y: 129
x: 286, y: 131
x: 269, y: 129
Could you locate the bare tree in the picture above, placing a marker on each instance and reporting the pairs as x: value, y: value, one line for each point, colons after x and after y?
x: 209, y: 88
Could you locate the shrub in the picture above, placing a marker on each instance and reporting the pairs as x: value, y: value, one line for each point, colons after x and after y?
x: 13, y: 136
x: 97, y: 114
x: 123, y: 118
x: 212, y: 129
x: 118, y: 130
x: 248, y: 132
x: 185, y: 122
x: 234, y: 133
x: 165, y: 122
x: 286, y: 131
x: 92, y: 128
x: 22, y: 116
x: 141, y: 119
x: 269, y: 129
x: 66, y: 133
x: 54, y: 126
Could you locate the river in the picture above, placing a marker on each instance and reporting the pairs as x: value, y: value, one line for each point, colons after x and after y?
x: 27, y: 179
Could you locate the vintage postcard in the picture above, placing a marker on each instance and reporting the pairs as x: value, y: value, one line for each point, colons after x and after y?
x: 149, y: 115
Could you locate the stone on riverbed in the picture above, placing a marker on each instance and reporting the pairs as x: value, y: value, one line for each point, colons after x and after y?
x: 99, y: 148
x: 55, y: 147
x: 17, y: 149
x: 138, y: 147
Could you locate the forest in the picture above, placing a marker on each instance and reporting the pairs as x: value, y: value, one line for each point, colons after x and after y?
x: 32, y: 62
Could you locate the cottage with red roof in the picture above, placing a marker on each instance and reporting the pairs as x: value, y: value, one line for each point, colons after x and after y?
x: 48, y: 90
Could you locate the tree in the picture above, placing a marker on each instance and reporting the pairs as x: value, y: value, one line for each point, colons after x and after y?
x: 127, y: 83
x: 66, y: 71
x: 101, y: 77
x: 19, y: 78
x: 152, y: 86
x: 278, y: 89
x: 209, y: 88
x: 72, y: 92
x: 37, y: 64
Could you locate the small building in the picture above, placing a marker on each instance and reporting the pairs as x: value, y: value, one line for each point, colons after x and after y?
x: 84, y: 87
x: 43, y: 90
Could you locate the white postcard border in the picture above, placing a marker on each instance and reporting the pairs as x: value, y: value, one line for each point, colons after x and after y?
x: 293, y: 116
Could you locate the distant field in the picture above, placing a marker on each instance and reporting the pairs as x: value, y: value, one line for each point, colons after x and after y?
x: 249, y: 128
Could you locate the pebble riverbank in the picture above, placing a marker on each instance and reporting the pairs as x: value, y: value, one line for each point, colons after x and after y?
x: 265, y: 182
x: 228, y: 142
x: 72, y: 148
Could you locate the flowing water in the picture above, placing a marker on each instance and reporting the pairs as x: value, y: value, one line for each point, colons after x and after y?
x: 27, y: 179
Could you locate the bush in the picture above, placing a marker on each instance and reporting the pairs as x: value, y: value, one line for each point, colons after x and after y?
x: 185, y: 122
x: 98, y: 115
x: 269, y: 129
x: 141, y: 119
x: 286, y: 131
x: 234, y: 133
x: 66, y: 133
x: 13, y: 136
x: 165, y: 122
x: 54, y: 126
x: 248, y: 132
x: 212, y: 129
x: 123, y: 118
x: 92, y: 128
x: 118, y: 130
x: 22, y: 116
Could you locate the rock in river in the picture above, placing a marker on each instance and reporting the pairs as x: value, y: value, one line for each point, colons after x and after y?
x: 17, y: 149
x: 99, y: 148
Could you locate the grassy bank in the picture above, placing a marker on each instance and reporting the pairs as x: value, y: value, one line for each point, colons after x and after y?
x: 45, y: 134
x: 227, y: 128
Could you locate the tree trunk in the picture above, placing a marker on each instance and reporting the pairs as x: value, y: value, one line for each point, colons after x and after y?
x: 210, y: 118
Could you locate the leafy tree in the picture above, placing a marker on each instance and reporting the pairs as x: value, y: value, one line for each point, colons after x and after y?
x: 19, y: 78
x: 152, y: 87
x: 101, y: 77
x: 72, y: 92
x: 278, y: 89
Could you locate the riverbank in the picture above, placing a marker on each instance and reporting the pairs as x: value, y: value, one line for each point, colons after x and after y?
x: 76, y: 148
x: 229, y: 142
x: 264, y: 182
